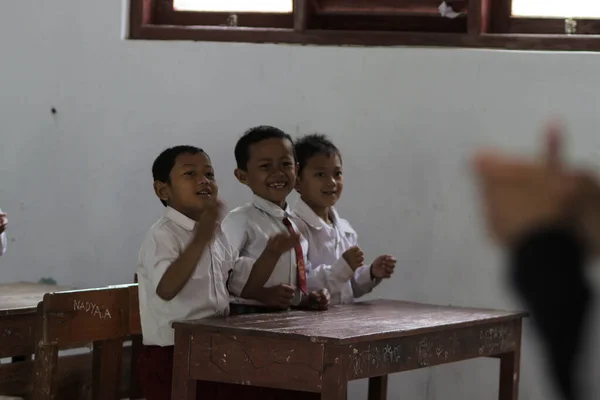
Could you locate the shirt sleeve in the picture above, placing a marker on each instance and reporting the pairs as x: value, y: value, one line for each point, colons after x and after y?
x: 243, y: 266
x: 318, y: 276
x: 235, y: 230
x: 332, y: 277
x: 3, y: 243
x: 547, y: 271
x: 362, y: 282
x: 158, y: 253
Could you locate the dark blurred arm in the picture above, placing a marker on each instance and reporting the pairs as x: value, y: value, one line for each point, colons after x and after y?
x: 547, y: 270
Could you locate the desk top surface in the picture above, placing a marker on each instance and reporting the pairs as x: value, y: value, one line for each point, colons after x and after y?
x: 23, y: 297
x: 378, y: 319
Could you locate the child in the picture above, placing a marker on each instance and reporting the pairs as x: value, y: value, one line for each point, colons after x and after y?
x: 266, y: 164
x: 3, y: 225
x: 184, y: 263
x: 332, y: 241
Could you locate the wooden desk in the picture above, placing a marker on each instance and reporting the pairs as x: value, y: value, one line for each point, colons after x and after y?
x: 18, y: 303
x: 18, y: 326
x: 320, y: 352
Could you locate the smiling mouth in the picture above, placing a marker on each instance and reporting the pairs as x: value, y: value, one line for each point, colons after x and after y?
x: 204, y: 192
x: 278, y: 185
x: 330, y: 192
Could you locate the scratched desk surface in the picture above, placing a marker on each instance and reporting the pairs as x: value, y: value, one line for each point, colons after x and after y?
x: 21, y: 296
x: 345, y: 324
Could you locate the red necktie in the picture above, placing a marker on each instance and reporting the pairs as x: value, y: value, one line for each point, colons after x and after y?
x: 301, y: 267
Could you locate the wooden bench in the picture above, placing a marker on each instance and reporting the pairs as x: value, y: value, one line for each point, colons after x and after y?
x: 18, y: 303
x: 320, y: 352
x: 106, y: 317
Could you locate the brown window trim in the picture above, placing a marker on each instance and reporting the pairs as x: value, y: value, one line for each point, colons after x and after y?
x: 484, y: 24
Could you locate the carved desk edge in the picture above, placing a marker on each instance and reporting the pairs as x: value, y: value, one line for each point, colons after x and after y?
x: 386, y: 356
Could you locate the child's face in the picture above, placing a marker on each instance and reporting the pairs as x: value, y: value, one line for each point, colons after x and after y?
x: 321, y: 182
x: 192, y: 185
x: 271, y: 171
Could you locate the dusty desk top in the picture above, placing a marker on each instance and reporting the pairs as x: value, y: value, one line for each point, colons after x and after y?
x: 24, y: 295
x: 342, y: 324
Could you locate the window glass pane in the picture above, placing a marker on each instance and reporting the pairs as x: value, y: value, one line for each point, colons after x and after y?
x: 556, y: 8
x: 280, y: 6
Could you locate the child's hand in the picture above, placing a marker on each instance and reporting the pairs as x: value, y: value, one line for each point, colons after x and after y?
x: 319, y: 300
x: 279, y: 296
x: 383, y: 266
x: 354, y: 256
x: 282, y: 242
x: 206, y: 226
x: 3, y: 222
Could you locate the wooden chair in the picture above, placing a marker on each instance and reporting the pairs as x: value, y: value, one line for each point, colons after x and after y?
x: 105, y: 317
x: 18, y: 326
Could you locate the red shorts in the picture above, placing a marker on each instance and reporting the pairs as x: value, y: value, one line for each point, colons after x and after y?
x: 155, y: 367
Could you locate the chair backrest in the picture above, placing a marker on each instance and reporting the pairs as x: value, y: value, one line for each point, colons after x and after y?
x: 83, y: 316
x: 135, y: 324
x: 105, y: 317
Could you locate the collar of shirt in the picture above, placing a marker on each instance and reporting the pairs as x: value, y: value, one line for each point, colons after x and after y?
x: 306, y: 214
x: 270, y: 208
x: 185, y: 222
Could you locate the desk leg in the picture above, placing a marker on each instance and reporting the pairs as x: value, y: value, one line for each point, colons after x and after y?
x: 184, y: 388
x: 510, y: 370
x: 335, y: 383
x: 107, y: 358
x: 378, y: 388
x: 44, y: 376
x: 509, y: 376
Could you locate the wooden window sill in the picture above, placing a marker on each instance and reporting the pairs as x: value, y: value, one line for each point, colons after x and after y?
x: 481, y: 24
x: 370, y: 39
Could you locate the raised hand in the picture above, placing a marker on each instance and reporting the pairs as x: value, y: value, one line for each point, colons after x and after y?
x: 3, y: 222
x: 383, y: 266
x: 355, y: 257
x: 207, y: 224
x: 282, y: 242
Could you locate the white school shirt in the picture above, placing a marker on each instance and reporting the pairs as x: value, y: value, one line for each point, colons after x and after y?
x: 326, y: 245
x: 204, y: 295
x: 3, y: 242
x: 248, y: 229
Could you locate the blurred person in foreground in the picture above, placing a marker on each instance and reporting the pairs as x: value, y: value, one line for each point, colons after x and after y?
x: 547, y: 216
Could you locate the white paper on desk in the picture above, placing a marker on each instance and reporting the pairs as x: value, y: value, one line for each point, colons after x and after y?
x: 446, y: 11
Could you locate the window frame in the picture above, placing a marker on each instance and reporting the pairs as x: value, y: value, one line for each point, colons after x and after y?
x: 487, y: 24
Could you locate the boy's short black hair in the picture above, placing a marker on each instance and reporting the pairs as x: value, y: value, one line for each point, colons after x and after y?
x: 252, y: 136
x: 311, y: 145
x: 162, y: 166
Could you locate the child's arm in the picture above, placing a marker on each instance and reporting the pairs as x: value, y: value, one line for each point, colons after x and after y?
x: 366, y: 278
x: 334, y: 277
x: 249, y: 276
x: 179, y: 272
x: 3, y: 225
x: 264, y: 265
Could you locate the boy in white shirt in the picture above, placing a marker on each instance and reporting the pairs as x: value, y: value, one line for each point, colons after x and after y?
x: 184, y: 262
x: 331, y: 239
x: 3, y: 225
x: 266, y: 164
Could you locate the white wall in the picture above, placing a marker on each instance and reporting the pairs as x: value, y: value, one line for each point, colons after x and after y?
x: 77, y: 185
